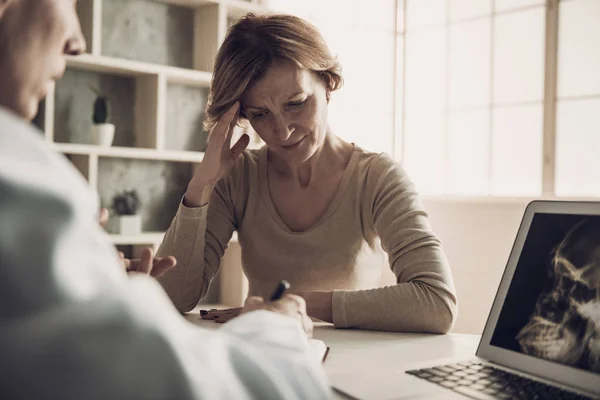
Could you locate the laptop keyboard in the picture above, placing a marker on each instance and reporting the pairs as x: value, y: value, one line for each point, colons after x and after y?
x: 479, y: 381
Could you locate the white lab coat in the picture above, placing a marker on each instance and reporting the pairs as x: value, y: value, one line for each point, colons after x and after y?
x: 73, y: 325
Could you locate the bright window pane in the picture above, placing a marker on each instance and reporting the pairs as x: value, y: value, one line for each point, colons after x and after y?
x: 400, y: 16
x: 378, y: 15
x: 372, y: 132
x: 517, y: 151
x: 578, y: 148
x: 461, y: 9
x: 334, y: 12
x: 579, y: 48
x: 424, y: 104
x: 376, y: 132
x: 469, y: 64
x: 469, y: 152
x: 519, y: 56
x: 300, y: 8
x: 425, y: 69
x: 423, y: 13
x: 373, y: 58
x: 399, y: 132
x: 424, y: 155
x: 505, y: 5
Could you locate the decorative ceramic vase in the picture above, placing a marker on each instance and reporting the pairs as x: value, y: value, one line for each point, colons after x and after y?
x: 130, y: 224
x: 103, y: 134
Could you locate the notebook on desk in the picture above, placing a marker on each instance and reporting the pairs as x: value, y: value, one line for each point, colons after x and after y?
x: 542, y: 336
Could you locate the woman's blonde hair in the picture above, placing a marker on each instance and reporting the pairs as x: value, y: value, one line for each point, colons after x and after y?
x: 249, y: 49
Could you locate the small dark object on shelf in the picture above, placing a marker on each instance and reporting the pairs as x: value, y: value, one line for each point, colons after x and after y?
x: 101, y: 107
x: 126, y: 203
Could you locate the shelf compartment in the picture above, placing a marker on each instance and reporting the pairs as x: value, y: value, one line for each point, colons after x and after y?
x: 141, y: 30
x: 160, y: 186
x: 74, y: 103
x: 185, y: 114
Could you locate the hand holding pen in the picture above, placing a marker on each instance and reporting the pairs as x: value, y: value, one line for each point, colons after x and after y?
x: 287, y: 304
x: 291, y: 305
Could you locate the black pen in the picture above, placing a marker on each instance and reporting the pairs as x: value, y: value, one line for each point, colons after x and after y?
x: 282, y: 286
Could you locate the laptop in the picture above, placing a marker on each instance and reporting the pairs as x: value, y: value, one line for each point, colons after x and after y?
x: 542, y: 336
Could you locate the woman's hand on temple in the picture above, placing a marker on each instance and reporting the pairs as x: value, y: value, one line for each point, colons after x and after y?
x: 218, y: 160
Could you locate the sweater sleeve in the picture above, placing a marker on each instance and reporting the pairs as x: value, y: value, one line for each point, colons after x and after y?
x: 198, y: 238
x: 424, y: 298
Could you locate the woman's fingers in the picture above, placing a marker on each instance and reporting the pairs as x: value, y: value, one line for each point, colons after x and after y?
x: 145, y: 265
x: 240, y: 145
x: 254, y: 300
x: 162, y: 265
x: 221, y: 131
x: 126, y: 262
x: 220, y: 315
x: 103, y: 217
x: 231, y: 128
x: 158, y: 266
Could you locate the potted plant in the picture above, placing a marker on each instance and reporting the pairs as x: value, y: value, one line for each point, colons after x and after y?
x: 126, y: 205
x: 103, y: 132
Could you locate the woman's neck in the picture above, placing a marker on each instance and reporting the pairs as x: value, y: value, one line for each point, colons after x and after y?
x: 330, y: 158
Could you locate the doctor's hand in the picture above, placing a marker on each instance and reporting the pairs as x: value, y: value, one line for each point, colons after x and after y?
x: 103, y: 217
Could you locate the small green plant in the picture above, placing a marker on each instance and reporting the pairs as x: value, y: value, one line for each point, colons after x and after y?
x: 101, y: 107
x: 126, y: 203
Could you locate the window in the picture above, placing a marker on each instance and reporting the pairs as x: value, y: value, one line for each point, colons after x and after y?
x: 578, y: 99
x: 474, y: 89
x: 461, y: 91
x: 363, y: 36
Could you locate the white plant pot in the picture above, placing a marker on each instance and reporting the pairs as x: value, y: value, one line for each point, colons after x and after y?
x: 103, y: 134
x: 130, y: 224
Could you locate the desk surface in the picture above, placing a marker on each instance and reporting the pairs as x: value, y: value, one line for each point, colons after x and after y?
x: 359, y: 350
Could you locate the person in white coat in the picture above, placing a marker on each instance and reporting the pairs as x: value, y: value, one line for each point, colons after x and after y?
x: 73, y: 323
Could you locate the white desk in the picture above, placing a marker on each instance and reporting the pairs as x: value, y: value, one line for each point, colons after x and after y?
x: 358, y: 350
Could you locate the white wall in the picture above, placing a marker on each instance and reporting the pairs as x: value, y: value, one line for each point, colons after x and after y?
x: 477, y: 237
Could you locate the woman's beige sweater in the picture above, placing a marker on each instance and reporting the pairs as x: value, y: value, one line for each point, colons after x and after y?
x: 374, y: 211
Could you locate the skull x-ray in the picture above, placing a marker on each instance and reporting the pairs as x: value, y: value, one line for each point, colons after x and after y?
x: 552, y: 309
x: 565, y: 326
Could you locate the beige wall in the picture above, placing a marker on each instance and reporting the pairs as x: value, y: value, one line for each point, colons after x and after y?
x: 477, y: 237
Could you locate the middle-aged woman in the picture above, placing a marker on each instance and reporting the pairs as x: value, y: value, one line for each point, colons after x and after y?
x: 309, y: 207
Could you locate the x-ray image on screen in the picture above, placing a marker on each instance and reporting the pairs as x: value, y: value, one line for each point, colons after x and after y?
x: 552, y: 308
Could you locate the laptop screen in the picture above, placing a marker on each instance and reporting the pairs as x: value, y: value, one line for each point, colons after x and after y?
x: 552, y: 307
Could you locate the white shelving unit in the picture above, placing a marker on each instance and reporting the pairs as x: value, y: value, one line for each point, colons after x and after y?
x: 143, y: 239
x: 117, y: 66
x: 129, y: 152
x: 211, y: 19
